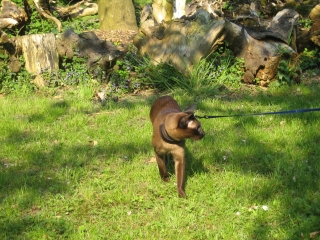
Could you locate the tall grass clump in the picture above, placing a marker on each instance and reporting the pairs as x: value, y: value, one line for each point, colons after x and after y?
x: 221, y: 67
x: 162, y: 76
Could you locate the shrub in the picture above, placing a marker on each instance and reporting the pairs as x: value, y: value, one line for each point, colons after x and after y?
x: 310, y: 59
x: 14, y: 82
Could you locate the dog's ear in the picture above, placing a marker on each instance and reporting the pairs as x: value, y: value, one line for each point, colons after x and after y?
x: 185, y: 120
x: 190, y: 109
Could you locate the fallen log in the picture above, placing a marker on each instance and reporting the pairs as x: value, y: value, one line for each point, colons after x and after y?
x: 11, y: 15
x: 80, y: 9
x: 183, y: 42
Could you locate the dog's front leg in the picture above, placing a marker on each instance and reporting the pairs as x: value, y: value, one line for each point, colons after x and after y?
x: 162, y: 167
x: 179, y: 165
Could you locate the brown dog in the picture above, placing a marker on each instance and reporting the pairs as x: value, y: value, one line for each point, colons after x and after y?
x: 171, y: 127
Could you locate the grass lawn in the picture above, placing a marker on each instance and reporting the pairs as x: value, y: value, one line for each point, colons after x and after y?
x: 71, y: 168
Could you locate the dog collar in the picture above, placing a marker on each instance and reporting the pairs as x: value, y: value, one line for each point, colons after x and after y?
x: 166, y: 137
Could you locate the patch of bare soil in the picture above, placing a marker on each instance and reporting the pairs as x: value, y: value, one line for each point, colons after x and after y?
x: 121, y: 38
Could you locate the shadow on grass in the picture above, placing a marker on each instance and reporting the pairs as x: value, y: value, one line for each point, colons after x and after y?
x: 36, y: 175
x: 41, y: 170
x: 291, y: 166
x: 193, y: 166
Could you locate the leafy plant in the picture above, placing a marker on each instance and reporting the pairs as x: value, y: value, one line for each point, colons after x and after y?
x: 288, y: 68
x: 305, y: 23
x: 14, y: 82
x: 18, y: 2
x: 121, y: 82
x: 310, y: 59
x: 228, y: 69
x: 73, y: 72
x: 38, y: 24
x: 18, y: 83
x: 288, y: 71
x: 227, y: 6
x: 88, y: 23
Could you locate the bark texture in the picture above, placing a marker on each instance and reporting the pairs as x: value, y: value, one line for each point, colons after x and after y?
x: 39, y: 52
x: 117, y: 15
x: 183, y: 42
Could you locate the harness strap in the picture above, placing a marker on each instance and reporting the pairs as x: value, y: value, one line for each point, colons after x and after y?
x: 166, y: 137
x: 260, y: 114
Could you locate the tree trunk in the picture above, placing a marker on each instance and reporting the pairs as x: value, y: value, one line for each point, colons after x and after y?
x: 39, y: 52
x: 117, y: 15
x: 166, y: 10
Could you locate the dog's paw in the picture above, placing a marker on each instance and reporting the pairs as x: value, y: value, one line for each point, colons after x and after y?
x: 182, y: 194
x: 166, y: 178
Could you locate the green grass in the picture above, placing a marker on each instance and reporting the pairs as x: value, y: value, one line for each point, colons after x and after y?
x: 71, y: 168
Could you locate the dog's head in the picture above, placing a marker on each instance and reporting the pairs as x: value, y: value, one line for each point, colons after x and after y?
x: 184, y: 124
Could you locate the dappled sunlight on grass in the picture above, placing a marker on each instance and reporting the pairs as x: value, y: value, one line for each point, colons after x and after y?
x: 74, y: 168
x: 283, y: 150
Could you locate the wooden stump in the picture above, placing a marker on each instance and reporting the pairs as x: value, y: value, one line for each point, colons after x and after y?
x: 39, y: 52
x: 3, y: 37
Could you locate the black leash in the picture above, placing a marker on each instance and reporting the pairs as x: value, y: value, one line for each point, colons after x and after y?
x: 260, y: 114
